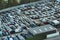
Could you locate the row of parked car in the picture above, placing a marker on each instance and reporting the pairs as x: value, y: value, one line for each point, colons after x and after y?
x: 27, y: 16
x: 13, y: 37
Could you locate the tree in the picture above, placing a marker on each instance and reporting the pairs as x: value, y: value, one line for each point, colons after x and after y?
x: 27, y: 1
x: 37, y: 37
x: 2, y: 4
x: 12, y: 3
